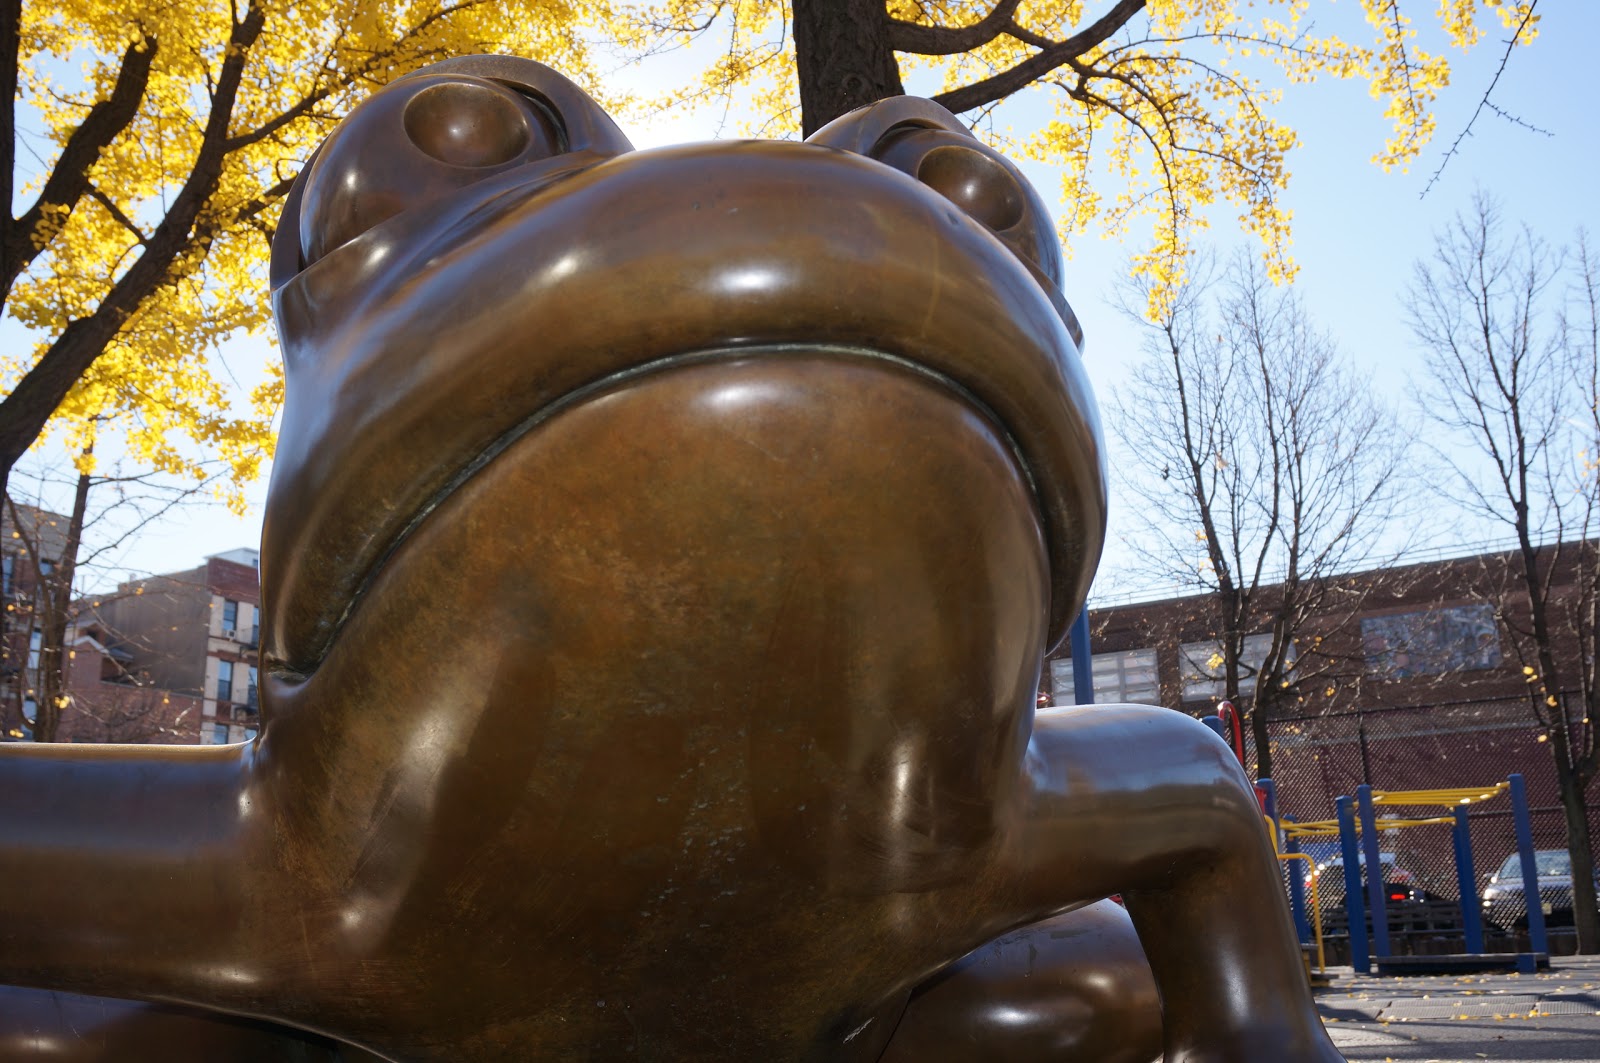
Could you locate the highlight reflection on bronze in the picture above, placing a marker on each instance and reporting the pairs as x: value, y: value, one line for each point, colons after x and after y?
x: 660, y: 555
x: 1074, y: 987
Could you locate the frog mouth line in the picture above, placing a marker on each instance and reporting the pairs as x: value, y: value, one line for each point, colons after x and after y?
x: 525, y: 427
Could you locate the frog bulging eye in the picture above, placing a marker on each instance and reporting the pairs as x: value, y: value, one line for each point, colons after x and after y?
x: 412, y: 144
x: 966, y: 173
x: 471, y: 124
x: 924, y: 141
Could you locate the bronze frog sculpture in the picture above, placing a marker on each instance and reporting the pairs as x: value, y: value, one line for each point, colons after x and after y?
x: 660, y: 555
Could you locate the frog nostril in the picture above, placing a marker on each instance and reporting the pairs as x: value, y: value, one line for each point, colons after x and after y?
x: 465, y: 124
x: 975, y: 183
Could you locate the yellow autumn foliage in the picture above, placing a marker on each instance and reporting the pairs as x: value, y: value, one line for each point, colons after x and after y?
x: 155, y: 382
x: 1178, y: 104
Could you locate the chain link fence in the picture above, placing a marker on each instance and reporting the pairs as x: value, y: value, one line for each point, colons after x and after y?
x: 1316, y: 760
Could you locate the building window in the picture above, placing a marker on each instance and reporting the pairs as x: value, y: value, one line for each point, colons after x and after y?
x: 1432, y: 642
x: 230, y: 615
x: 219, y: 734
x: 251, y: 698
x: 224, y: 680
x: 35, y: 648
x: 9, y: 563
x: 1204, y: 675
x: 255, y: 623
x: 1121, y: 676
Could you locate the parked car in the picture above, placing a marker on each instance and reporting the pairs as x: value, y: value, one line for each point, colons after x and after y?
x: 1409, y: 908
x: 1399, y: 884
x: 1504, y: 904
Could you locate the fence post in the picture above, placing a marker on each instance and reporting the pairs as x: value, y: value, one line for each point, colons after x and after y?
x: 1375, y: 884
x: 1537, y: 941
x: 1359, y: 957
x: 1082, y: 661
x: 1467, y: 879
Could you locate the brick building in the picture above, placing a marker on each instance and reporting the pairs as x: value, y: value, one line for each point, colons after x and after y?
x: 191, y: 635
x: 1414, y: 634
x: 31, y: 540
x: 1419, y: 684
x: 168, y: 659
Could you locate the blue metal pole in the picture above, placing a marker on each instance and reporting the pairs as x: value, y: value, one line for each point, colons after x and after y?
x: 1082, y: 662
x: 1375, y: 870
x: 1375, y: 883
x: 1297, y: 891
x: 1467, y: 879
x: 1359, y: 957
x: 1530, y: 866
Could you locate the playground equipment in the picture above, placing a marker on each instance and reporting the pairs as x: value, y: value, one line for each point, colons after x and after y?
x: 1357, y: 826
x: 1266, y: 792
x: 1227, y: 726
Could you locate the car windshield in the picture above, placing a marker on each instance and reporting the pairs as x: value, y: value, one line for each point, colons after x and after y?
x: 1552, y: 863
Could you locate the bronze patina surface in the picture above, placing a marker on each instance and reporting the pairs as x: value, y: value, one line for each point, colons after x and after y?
x: 660, y: 556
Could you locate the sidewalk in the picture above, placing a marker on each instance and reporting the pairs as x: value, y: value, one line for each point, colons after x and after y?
x: 1532, y: 1018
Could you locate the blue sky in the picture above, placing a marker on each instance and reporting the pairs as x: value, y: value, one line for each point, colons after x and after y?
x: 1357, y: 229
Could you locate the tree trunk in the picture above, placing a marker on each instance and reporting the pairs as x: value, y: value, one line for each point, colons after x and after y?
x: 1258, y: 732
x: 56, y: 597
x: 1569, y: 777
x: 843, y: 58
x: 1581, y: 848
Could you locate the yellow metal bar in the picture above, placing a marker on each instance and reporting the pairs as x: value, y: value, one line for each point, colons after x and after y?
x: 1397, y: 824
x: 1298, y: 826
x: 1318, y: 828
x: 1463, y: 795
x: 1466, y: 795
x: 1316, y: 908
x: 1328, y: 827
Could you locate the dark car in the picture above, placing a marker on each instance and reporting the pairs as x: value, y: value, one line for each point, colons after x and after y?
x: 1399, y: 884
x: 1406, y: 904
x: 1504, y: 904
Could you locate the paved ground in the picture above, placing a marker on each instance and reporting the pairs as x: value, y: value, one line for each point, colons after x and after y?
x: 1549, y: 1016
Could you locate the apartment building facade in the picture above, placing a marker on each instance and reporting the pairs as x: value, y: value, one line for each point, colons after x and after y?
x: 32, y: 541
x: 168, y: 659
x: 193, y: 634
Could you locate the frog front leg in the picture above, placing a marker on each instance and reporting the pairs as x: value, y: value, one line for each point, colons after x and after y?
x: 1148, y: 803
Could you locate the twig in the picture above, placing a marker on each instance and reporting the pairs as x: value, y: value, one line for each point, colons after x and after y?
x: 1484, y: 102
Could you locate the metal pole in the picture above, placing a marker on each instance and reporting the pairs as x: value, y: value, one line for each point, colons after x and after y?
x: 1270, y: 805
x: 1375, y: 883
x: 1082, y: 662
x: 1467, y: 879
x: 1359, y: 957
x: 1366, y: 757
x: 1530, y: 866
x: 1297, y: 891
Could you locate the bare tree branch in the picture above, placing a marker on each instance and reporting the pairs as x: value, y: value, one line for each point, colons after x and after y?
x: 948, y: 40
x: 1036, y: 66
x: 1484, y: 103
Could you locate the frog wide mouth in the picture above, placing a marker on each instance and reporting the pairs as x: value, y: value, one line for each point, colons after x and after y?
x: 528, y: 299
